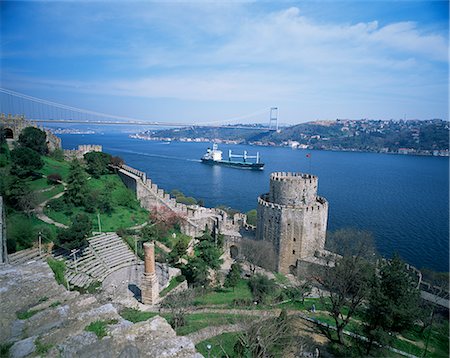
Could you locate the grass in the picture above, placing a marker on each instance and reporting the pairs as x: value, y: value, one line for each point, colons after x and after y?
x: 172, y: 284
x: 198, y: 321
x: 43, y: 196
x: 126, y: 213
x: 42, y: 348
x: 225, y: 296
x: 281, y: 279
x: 134, y: 315
x: 26, y: 314
x: 52, y: 166
x: 23, y: 231
x: 55, y: 304
x: 58, y: 268
x: 99, y: 327
x: 223, y: 342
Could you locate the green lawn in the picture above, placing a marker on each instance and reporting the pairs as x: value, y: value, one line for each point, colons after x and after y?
x: 225, y: 296
x: 42, y: 196
x: 219, y: 344
x: 134, y: 315
x: 52, y: 166
x: 198, y: 321
x: 23, y: 231
x: 126, y: 209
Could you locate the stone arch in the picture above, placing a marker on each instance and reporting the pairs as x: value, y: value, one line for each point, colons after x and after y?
x: 9, y: 134
x: 234, y: 251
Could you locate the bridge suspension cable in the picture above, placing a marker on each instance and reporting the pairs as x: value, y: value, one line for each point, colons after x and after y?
x: 42, y: 110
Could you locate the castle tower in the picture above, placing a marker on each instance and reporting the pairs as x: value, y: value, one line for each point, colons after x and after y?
x: 292, y: 217
x: 149, y: 283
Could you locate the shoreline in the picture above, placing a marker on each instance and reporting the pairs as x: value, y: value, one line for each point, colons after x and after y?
x: 445, y: 154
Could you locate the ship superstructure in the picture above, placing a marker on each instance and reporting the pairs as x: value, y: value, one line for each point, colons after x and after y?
x: 214, y: 156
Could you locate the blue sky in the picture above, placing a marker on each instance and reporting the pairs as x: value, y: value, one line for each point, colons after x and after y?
x: 205, y: 61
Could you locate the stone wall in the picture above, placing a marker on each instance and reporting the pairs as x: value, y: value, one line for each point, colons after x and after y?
x: 18, y: 123
x: 293, y: 218
x: 195, y: 219
x: 3, y: 248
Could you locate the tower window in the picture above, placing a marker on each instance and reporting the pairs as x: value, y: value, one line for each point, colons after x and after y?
x: 295, y: 239
x: 293, y: 252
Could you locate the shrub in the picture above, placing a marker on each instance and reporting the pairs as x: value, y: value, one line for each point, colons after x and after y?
x: 54, y: 178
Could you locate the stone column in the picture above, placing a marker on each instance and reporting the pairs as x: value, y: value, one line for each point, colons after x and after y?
x: 149, y: 283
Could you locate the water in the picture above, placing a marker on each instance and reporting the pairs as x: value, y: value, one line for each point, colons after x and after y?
x: 402, y: 200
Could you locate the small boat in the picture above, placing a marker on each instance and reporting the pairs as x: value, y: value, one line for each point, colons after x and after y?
x: 214, y: 156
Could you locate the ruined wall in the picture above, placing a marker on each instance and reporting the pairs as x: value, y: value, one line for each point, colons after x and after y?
x: 18, y: 123
x: 292, y: 217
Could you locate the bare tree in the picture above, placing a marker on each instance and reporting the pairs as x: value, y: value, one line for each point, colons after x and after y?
x: 348, y: 282
x: 266, y: 337
x: 179, y: 305
x: 258, y: 253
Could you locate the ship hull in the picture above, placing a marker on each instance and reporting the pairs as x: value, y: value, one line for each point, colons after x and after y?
x: 239, y: 165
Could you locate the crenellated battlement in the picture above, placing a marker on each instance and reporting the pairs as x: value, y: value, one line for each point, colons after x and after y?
x: 195, y: 218
x: 283, y: 176
x: 292, y: 217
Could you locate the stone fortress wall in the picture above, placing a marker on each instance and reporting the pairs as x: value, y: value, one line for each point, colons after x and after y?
x: 14, y: 125
x: 81, y: 151
x: 3, y: 249
x: 195, y: 219
x: 293, y: 218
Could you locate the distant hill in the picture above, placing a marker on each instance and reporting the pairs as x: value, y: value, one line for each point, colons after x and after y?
x: 412, y: 136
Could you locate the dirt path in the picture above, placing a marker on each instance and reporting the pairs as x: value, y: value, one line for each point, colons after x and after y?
x: 39, y: 211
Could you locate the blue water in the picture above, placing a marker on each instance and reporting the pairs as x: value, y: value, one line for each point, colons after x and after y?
x: 402, y: 200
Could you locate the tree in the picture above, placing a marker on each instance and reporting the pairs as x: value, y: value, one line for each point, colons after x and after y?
x: 348, y: 281
x: 76, y: 184
x: 209, y: 253
x: 35, y: 139
x: 179, y: 306
x: 196, y: 272
x: 392, y: 305
x: 25, y: 161
x: 258, y: 253
x: 164, y: 220
x: 251, y: 217
x: 75, y: 236
x: 299, y: 292
x: 348, y: 286
x: 233, y: 276
x: 269, y: 338
x: 178, y: 250
x: 117, y: 161
x: 20, y: 196
x: 97, y: 163
x: 261, y: 287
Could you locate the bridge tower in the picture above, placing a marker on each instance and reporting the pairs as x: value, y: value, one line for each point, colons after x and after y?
x: 273, y: 119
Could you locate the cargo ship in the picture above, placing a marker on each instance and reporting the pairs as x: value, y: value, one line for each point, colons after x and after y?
x: 214, y: 156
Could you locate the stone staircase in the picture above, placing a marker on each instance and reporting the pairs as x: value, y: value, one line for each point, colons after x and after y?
x: 105, y: 254
x: 25, y: 256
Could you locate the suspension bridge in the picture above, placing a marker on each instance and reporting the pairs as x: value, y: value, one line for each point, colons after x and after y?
x: 41, y: 110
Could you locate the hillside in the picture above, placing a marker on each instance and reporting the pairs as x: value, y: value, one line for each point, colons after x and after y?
x: 407, y: 137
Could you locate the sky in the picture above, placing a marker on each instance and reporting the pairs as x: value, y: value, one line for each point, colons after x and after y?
x: 230, y: 61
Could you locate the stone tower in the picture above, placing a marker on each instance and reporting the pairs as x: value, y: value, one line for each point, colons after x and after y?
x: 293, y: 218
x: 149, y: 283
